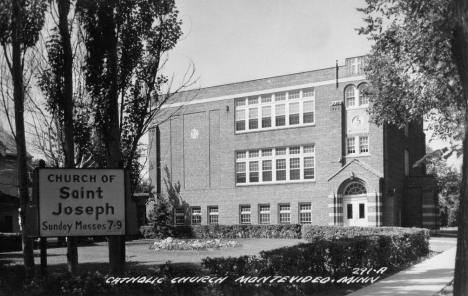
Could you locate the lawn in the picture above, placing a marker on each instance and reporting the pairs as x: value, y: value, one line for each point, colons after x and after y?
x: 95, y: 257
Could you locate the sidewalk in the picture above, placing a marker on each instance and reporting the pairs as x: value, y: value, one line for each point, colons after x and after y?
x: 423, y: 279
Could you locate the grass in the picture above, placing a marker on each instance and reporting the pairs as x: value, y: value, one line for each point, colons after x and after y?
x: 95, y: 258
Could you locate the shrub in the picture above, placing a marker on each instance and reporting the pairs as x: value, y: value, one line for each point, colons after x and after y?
x: 170, y: 244
x: 333, y: 258
x: 10, y: 242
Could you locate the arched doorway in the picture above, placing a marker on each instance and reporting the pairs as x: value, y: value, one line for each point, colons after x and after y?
x: 355, y: 205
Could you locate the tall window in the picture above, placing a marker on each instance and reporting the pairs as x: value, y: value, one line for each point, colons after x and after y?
x: 266, y: 116
x: 281, y: 110
x: 363, y: 97
x: 264, y: 214
x: 245, y: 214
x: 282, y: 164
x: 196, y: 215
x: 280, y: 115
x: 253, y: 118
x: 241, y: 176
x: 349, y: 96
x: 213, y: 215
x: 305, y: 213
x: 284, y: 213
x: 240, y: 120
x: 253, y: 171
x: 281, y: 169
x: 351, y: 145
x: 364, y: 144
x: 267, y: 171
x: 179, y: 214
x: 293, y: 113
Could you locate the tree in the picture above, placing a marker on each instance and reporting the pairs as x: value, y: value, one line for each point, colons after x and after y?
x: 418, y: 67
x: 125, y: 43
x: 20, y: 23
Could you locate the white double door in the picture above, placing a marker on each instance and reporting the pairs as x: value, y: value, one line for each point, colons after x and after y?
x: 355, y: 210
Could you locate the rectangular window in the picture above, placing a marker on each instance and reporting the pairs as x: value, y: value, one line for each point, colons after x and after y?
x: 282, y: 164
x: 280, y: 97
x: 240, y: 102
x: 253, y: 153
x: 280, y: 115
x: 179, y: 216
x: 266, y: 152
x: 264, y: 214
x: 253, y: 100
x: 350, y: 211
x: 308, y: 112
x: 295, y: 150
x: 241, y: 154
x: 280, y: 151
x: 253, y: 171
x: 305, y: 213
x: 362, y: 213
x: 266, y: 116
x: 309, y: 168
x: 274, y: 112
x: 350, y: 143
x: 240, y: 171
x: 364, y: 144
x: 253, y: 118
x: 280, y: 169
x: 240, y: 120
x: 266, y: 98
x: 293, y: 95
x: 213, y: 215
x: 293, y: 113
x: 245, y: 214
x: 294, y: 168
x: 284, y: 214
x: 196, y: 215
x: 308, y: 93
x: 266, y: 171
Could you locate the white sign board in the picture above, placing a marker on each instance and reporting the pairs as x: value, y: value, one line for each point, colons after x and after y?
x: 81, y: 202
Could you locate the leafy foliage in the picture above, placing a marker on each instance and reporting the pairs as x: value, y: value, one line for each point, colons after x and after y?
x: 410, y: 65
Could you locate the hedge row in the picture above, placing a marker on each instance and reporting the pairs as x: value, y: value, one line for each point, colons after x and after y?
x: 333, y: 258
x: 10, y: 242
x: 292, y: 231
x: 312, y: 233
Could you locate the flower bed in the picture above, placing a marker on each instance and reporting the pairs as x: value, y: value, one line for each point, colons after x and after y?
x: 171, y: 244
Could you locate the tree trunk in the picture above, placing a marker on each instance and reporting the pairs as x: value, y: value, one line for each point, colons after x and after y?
x: 113, y: 159
x: 67, y: 107
x: 28, y: 256
x: 460, y: 54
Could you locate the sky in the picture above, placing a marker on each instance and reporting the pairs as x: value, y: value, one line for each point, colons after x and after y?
x: 230, y: 41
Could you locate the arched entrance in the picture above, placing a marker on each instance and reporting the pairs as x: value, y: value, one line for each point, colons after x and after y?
x: 355, y: 212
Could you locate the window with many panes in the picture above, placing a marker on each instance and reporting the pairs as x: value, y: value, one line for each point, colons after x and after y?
x: 213, y: 215
x: 356, y: 97
x: 245, y: 214
x: 179, y: 216
x: 284, y: 213
x: 358, y: 145
x: 278, y: 110
x: 264, y: 214
x: 196, y: 215
x: 305, y: 213
x: 270, y: 165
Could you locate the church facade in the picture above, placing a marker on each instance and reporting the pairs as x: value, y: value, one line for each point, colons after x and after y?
x: 297, y: 148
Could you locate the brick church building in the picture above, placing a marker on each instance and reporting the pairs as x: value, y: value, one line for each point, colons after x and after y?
x: 297, y: 148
